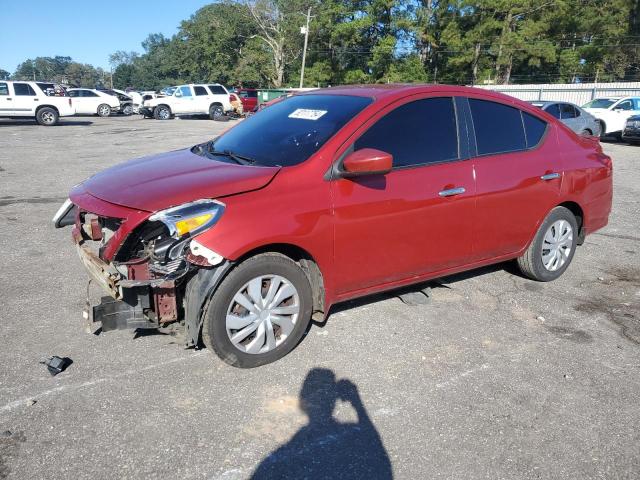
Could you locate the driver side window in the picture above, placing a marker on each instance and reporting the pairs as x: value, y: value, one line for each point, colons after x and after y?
x: 626, y: 105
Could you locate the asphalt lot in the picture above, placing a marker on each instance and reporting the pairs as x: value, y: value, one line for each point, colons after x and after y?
x: 496, y: 377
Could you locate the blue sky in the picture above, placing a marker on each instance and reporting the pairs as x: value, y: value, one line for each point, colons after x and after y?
x: 84, y: 30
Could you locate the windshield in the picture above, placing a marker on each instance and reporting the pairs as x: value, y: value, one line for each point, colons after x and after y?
x: 600, y: 103
x: 290, y: 131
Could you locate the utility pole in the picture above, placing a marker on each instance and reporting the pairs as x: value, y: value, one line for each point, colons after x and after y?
x: 305, y: 30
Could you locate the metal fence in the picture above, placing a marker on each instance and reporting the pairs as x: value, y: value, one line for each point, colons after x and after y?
x: 576, y: 93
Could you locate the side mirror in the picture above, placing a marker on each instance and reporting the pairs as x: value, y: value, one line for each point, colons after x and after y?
x: 367, y: 161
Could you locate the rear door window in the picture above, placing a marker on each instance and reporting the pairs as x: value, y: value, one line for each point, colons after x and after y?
x: 567, y: 111
x: 534, y: 129
x: 498, y: 127
x: 200, y: 90
x: 553, y: 110
x: 24, y: 89
x: 416, y: 133
x: 217, y: 90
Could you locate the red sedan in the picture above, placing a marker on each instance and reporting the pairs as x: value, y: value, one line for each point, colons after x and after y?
x: 331, y: 195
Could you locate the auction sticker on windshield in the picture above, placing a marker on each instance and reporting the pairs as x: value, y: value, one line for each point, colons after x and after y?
x: 307, y: 114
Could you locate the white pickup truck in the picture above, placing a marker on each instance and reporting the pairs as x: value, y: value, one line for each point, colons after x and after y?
x: 192, y: 99
x: 44, y: 101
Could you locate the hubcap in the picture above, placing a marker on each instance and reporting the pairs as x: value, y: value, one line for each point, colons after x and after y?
x: 47, y: 117
x: 164, y: 113
x: 557, y: 245
x: 262, y: 314
x: 104, y: 111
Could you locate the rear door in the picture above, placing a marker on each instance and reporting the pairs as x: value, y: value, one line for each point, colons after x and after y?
x: 202, y: 99
x: 25, y: 99
x: 518, y: 176
x: 410, y: 221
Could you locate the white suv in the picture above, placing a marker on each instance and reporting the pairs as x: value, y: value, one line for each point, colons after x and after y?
x: 192, y: 99
x: 612, y: 112
x: 44, y: 101
x: 93, y: 102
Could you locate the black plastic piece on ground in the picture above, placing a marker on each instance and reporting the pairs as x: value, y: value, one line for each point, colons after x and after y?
x: 56, y: 364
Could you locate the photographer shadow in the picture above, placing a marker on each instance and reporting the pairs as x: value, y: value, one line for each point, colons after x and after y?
x: 326, y: 448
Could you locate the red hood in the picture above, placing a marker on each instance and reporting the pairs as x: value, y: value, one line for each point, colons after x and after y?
x: 169, y: 179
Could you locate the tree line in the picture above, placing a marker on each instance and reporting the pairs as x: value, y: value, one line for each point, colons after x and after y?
x: 258, y: 43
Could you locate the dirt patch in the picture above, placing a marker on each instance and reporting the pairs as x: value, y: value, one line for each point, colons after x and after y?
x: 571, y: 334
x: 9, y: 446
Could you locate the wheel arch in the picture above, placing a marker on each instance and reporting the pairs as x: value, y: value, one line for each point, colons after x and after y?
x: 201, y: 287
x: 40, y: 107
x: 578, y: 212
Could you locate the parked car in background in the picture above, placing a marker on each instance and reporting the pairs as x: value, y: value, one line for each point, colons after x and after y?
x: 45, y: 102
x: 631, y: 132
x: 126, y: 102
x: 248, y: 97
x: 331, y: 195
x: 89, y: 101
x: 192, y: 99
x: 612, y: 112
x: 578, y: 120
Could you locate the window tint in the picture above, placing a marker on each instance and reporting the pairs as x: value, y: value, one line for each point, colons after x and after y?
x: 4, y: 89
x: 23, y: 89
x: 185, y: 90
x: 416, y: 133
x: 534, y: 129
x: 567, y: 111
x: 553, y: 110
x: 626, y: 105
x: 200, y: 90
x: 217, y: 90
x: 498, y: 127
x: 73, y: 93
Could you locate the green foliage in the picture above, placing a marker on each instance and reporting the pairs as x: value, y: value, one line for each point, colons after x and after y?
x: 257, y: 43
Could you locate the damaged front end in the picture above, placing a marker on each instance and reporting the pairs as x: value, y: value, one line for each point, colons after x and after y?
x: 142, y: 260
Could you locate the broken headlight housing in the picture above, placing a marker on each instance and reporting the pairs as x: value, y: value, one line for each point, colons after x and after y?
x: 189, y: 219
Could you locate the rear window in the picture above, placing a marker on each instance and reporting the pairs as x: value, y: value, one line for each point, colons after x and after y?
x: 290, y: 131
x: 416, y: 133
x: 553, y: 110
x: 23, y: 89
x: 534, y: 129
x: 217, y: 90
x: 498, y: 127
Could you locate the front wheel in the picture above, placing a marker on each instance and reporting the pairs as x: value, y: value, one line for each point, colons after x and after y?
x: 162, y: 112
x: 553, y: 247
x: 260, y: 311
x: 47, y: 116
x: 104, y: 110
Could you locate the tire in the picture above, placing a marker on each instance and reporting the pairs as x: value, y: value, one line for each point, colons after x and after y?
x: 216, y: 112
x: 602, y: 129
x: 127, y: 110
x: 162, y: 112
x: 47, y: 116
x: 104, y: 110
x: 553, y: 228
x: 265, y: 269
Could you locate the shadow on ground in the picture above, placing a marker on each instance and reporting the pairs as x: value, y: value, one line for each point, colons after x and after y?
x: 326, y: 448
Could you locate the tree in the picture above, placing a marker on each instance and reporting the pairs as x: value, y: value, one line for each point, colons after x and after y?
x: 4, y: 75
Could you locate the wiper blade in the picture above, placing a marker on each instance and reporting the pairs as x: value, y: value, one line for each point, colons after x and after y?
x: 239, y: 159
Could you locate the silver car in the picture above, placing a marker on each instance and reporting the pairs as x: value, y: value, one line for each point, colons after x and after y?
x: 574, y: 117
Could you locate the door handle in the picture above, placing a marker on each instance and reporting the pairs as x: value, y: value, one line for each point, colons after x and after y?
x: 9, y: 99
x: 550, y: 176
x: 452, y: 192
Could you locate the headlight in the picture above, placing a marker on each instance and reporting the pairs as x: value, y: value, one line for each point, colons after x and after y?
x: 191, y: 218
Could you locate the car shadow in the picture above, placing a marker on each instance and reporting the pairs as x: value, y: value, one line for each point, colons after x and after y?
x: 62, y: 123
x: 440, y: 282
x: 325, y: 447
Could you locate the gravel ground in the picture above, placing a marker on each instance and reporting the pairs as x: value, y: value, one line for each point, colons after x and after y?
x: 495, y: 377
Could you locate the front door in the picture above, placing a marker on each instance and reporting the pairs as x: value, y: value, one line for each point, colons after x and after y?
x: 183, y: 100
x: 418, y: 218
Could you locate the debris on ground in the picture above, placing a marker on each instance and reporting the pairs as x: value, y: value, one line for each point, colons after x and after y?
x: 56, y: 364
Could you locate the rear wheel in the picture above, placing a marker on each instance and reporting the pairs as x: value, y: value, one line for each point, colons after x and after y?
x: 47, y: 116
x: 162, y: 112
x: 259, y: 312
x: 216, y: 112
x: 104, y: 110
x: 552, y: 249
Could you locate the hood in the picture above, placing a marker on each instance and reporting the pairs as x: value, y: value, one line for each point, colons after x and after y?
x: 162, y: 181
